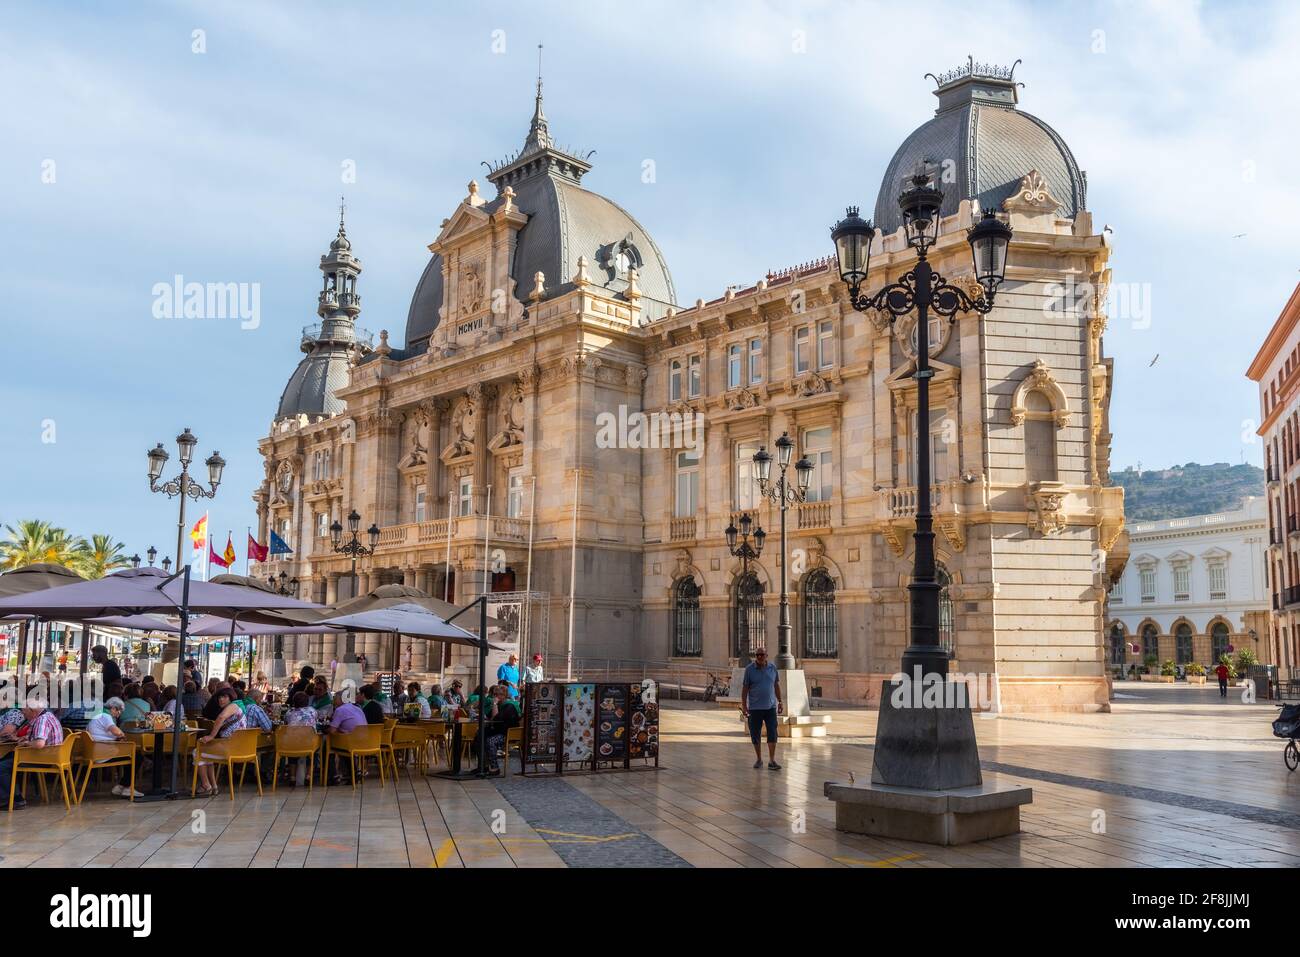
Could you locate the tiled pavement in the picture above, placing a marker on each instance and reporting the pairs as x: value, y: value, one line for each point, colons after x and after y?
x: 1174, y: 777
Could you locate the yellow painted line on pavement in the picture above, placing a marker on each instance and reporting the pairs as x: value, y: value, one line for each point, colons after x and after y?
x: 584, y: 838
x: 883, y: 862
x: 444, y: 852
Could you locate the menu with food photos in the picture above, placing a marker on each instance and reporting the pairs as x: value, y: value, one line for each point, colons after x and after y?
x: 643, y: 730
x: 579, y: 722
x: 612, y: 722
x: 543, y: 720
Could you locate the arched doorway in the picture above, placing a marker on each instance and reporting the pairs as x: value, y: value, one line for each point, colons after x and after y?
x: 687, y: 641
x: 947, y: 633
x: 1150, y: 644
x: 1183, y: 643
x: 1218, y: 641
x: 820, y: 623
x: 749, y: 617
x: 1117, y: 644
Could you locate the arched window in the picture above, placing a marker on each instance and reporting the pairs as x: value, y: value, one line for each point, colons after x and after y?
x: 820, y: 624
x: 687, y: 642
x: 1117, y: 644
x: 947, y: 633
x: 1218, y: 641
x: 1183, y: 643
x: 1150, y: 643
x: 749, y: 617
x: 1040, y: 438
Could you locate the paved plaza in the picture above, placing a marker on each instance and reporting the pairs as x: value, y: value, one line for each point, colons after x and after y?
x: 1174, y: 777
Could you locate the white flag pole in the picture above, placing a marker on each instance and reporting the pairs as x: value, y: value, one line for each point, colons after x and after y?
x: 528, y: 580
x: 573, y: 579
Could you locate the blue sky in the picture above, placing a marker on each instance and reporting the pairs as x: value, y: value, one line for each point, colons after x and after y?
x: 763, y: 120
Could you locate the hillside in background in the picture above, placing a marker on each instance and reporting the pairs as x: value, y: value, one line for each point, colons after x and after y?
x: 1189, y: 489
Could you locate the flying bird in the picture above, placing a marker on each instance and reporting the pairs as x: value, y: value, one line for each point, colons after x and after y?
x: 1153, y: 361
x: 1238, y: 235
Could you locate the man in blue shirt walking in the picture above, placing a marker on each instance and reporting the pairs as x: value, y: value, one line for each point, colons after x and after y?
x: 760, y: 702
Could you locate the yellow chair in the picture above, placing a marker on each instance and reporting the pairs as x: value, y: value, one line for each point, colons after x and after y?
x: 468, y: 740
x: 101, y: 755
x: 436, y: 739
x: 55, y: 759
x: 514, y: 739
x: 298, y: 741
x: 410, y: 740
x: 359, y: 744
x: 238, y: 749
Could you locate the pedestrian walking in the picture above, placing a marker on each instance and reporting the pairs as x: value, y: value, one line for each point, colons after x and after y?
x: 1222, y: 672
x: 760, y: 703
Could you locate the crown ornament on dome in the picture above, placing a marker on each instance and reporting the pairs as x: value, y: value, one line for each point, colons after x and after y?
x: 988, y: 71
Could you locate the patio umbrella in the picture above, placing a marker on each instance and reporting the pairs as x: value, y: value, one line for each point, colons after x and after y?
x: 406, y: 619
x: 35, y: 577
x: 139, y: 591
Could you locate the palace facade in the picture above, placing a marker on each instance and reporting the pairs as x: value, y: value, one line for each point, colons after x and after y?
x: 480, y: 441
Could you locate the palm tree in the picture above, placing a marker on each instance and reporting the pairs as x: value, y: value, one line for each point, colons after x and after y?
x: 34, y: 541
x: 99, y: 556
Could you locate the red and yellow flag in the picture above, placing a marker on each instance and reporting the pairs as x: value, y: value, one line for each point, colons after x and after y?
x: 229, y: 553
x: 199, y: 533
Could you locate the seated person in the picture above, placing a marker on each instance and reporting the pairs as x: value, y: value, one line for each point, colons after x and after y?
x: 435, y: 699
x: 103, y: 728
x: 191, y: 700
x: 413, y: 697
x: 301, y: 713
x: 373, y: 711
x: 42, y: 731
x: 346, y: 716
x: 229, y: 719
x: 322, y: 700
x: 504, y: 716
x: 135, y: 707
x: 254, y: 713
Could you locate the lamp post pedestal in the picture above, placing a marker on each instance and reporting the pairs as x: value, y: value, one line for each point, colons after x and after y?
x: 798, y: 721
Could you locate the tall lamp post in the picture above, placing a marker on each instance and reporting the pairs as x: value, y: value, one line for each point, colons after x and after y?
x: 284, y: 585
x: 182, y: 486
x: 353, y: 549
x: 781, y: 494
x: 742, y: 549
x: 922, y: 290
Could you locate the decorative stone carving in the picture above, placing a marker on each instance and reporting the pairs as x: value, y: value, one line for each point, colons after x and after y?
x: 810, y: 384
x: 741, y: 400
x: 539, y: 286
x: 634, y: 376
x: 896, y: 537
x: 471, y: 290
x: 1033, y: 192
x: 1045, y: 501
x: 1040, y: 379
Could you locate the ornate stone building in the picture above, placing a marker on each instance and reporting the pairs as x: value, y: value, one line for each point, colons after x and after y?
x: 547, y: 313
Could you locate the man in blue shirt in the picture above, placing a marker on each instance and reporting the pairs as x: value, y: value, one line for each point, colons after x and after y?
x: 760, y: 702
x: 508, y: 675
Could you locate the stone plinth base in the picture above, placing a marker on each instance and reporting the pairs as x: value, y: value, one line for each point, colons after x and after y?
x: 925, y: 740
x: 802, y: 725
x: 958, y: 816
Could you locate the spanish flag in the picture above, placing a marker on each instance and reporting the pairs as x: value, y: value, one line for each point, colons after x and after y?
x: 229, y: 554
x: 199, y: 534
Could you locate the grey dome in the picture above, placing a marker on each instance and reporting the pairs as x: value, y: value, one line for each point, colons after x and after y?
x: 985, y: 145
x: 565, y: 222
x: 311, y: 387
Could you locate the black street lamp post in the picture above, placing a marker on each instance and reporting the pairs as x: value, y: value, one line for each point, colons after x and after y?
x: 182, y: 487
x: 742, y: 549
x: 924, y: 290
x: 353, y: 549
x: 780, y: 493
x: 284, y: 585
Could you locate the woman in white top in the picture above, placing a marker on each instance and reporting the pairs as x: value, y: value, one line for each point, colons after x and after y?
x: 103, y: 728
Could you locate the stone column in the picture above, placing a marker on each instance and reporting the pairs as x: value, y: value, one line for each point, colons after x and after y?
x: 434, y: 409
x: 482, y: 395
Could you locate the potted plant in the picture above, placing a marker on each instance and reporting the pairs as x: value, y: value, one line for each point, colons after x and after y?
x: 1226, y: 659
x: 1196, y: 673
x: 1147, y: 672
x: 1167, y: 672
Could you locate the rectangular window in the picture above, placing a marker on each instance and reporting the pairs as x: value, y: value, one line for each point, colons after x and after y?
x: 1148, y: 578
x: 688, y: 484
x: 734, y: 359
x: 817, y: 447
x: 1182, y: 583
x: 675, y: 380
x: 755, y: 361
x: 746, y: 487
x: 941, y: 436
x: 1117, y: 592
x: 693, y: 377
x: 515, y: 494
x: 419, y: 503
x: 322, y: 524
x: 1218, y: 581
x: 465, y: 495
x: 825, y: 345
x: 801, y: 346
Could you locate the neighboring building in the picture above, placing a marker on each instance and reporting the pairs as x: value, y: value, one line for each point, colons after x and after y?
x: 1193, y: 588
x: 1277, y: 370
x: 547, y: 307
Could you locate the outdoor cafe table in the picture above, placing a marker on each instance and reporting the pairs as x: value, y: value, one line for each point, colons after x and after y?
x: 160, y: 735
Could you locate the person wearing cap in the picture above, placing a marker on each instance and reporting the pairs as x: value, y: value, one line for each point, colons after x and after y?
x: 103, y: 728
x: 455, y: 697
x: 508, y: 676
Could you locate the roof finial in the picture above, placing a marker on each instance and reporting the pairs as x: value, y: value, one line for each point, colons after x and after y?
x: 538, y: 136
x: 342, y: 209
x: 539, y: 71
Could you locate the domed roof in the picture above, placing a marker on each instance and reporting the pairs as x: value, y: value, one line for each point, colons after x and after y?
x: 311, y: 387
x: 565, y: 222
x: 981, y: 146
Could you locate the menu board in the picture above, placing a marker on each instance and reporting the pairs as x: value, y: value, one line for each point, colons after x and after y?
x: 543, y: 712
x: 579, y: 721
x: 643, y: 733
x: 612, y: 722
x: 388, y: 681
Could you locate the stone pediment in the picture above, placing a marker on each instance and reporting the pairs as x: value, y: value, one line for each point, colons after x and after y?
x: 464, y: 222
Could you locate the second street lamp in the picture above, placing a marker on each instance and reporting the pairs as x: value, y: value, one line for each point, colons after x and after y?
x: 353, y: 549
x: 783, y: 496
x: 922, y: 290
